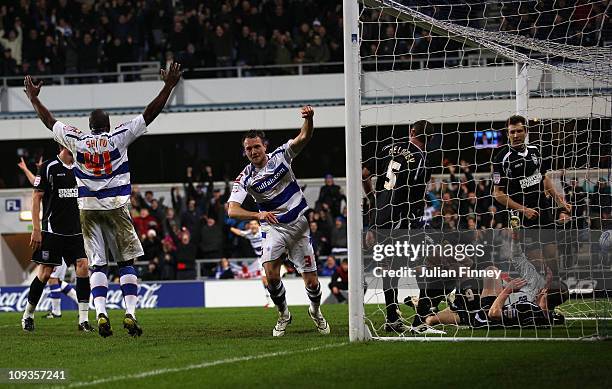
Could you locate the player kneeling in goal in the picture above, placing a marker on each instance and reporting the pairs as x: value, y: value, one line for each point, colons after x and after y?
x: 270, y: 180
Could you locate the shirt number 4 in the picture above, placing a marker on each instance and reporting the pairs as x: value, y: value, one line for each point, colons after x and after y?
x: 97, y: 163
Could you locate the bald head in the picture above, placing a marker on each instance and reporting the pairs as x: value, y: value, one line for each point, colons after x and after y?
x: 99, y: 121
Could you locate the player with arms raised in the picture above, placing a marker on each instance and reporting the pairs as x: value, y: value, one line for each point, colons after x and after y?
x: 270, y: 180
x: 104, y: 189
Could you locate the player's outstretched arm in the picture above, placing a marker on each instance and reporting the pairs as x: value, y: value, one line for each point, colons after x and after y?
x: 236, y: 231
x: 170, y: 77
x: 32, y: 90
x: 300, y: 141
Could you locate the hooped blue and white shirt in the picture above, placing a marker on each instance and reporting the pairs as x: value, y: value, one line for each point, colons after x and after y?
x: 101, y: 162
x: 273, y: 187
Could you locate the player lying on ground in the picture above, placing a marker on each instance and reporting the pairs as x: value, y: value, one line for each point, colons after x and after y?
x: 59, y: 236
x: 104, y: 189
x: 56, y: 281
x: 534, y: 299
x: 253, y: 234
x: 270, y: 180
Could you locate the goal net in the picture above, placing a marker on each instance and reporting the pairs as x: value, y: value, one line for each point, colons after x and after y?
x: 467, y: 232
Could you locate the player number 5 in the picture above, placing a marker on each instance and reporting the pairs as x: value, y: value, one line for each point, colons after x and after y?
x: 393, y: 168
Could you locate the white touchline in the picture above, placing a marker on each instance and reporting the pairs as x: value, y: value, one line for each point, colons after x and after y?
x: 201, y: 365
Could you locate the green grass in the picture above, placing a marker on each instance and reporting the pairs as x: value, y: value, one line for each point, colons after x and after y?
x: 196, y: 340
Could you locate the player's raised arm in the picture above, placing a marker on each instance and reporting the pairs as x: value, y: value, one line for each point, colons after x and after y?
x: 32, y: 90
x: 170, y: 77
x: 300, y: 141
x: 24, y: 167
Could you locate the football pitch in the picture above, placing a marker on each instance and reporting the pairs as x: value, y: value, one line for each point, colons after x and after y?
x: 233, y: 347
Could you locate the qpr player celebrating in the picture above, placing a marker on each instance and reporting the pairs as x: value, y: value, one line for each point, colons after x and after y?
x: 103, y: 177
x: 270, y: 180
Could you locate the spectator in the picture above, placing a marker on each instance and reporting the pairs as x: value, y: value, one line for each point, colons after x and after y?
x: 304, y: 36
x: 263, y: 54
x: 152, y: 247
x: 33, y: 47
x: 282, y: 53
x: 88, y: 55
x: 320, y: 243
x: 158, y: 212
x: 279, y: 21
x: 168, y: 262
x: 178, y: 40
x: 211, y: 242
x: 329, y: 268
x: 331, y: 194
x: 144, y: 222
x: 170, y: 219
x: 223, y: 271
x: 115, y: 52
x: 13, y: 40
x: 338, y: 237
x: 222, y: 47
x: 185, y: 257
x: 152, y: 273
x: 317, y: 51
x: 339, y: 284
x: 9, y: 65
x: 190, y: 219
x: 245, y: 47
x: 191, y: 59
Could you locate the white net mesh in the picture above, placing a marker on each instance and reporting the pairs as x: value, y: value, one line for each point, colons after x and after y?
x: 453, y: 64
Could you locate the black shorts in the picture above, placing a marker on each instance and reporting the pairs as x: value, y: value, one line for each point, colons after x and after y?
x: 54, y: 247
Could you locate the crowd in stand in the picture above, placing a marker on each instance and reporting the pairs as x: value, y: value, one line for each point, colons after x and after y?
x: 68, y: 36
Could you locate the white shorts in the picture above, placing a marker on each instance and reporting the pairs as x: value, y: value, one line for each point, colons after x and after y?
x: 293, y: 238
x: 59, y: 272
x: 112, y: 229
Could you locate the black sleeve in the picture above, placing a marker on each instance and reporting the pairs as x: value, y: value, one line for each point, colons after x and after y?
x: 545, y: 163
x: 499, y: 176
x: 41, y: 181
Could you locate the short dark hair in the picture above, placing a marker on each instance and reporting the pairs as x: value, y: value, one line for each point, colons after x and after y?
x: 251, y: 134
x: 99, y: 121
x: 422, y: 128
x: 516, y: 119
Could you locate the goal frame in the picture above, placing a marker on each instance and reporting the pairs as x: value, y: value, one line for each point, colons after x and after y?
x: 358, y: 330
